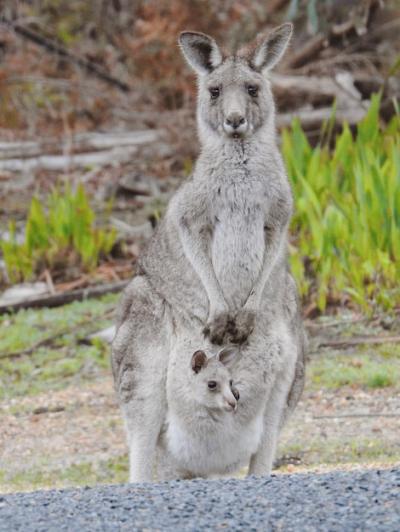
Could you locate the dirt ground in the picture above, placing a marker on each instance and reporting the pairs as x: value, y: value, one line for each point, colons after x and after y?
x: 75, y: 436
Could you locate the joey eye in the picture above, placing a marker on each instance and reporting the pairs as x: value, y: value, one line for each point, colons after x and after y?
x: 214, y: 92
x: 231, y: 383
x: 252, y: 90
x: 212, y: 385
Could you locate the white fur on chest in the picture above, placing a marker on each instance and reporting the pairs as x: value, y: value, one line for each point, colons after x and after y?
x: 212, y: 447
x: 237, y: 247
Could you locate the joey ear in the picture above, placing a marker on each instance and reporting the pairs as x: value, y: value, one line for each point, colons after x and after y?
x: 200, y: 51
x: 270, y: 49
x: 227, y: 354
x: 199, y: 361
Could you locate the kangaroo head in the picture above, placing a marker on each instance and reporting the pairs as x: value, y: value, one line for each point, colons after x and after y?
x: 213, y: 384
x: 235, y: 99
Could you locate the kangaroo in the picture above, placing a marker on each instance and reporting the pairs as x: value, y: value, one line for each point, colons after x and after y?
x: 200, y: 436
x: 217, y: 263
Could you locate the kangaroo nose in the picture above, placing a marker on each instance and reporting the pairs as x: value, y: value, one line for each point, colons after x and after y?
x: 235, y: 120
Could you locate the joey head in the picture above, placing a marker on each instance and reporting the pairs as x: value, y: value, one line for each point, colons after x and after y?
x: 213, y: 386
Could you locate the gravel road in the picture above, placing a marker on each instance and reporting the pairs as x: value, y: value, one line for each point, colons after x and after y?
x: 358, y: 500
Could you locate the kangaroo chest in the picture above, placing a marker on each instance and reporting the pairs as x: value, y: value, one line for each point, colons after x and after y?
x: 237, y: 245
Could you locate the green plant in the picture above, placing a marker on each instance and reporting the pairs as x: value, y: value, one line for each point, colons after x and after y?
x: 62, y: 233
x: 347, y: 220
x: 334, y: 370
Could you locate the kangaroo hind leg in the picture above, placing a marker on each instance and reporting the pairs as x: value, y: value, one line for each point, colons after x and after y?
x: 139, y: 360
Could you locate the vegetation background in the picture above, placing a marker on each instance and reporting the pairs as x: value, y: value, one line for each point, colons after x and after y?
x: 97, y: 130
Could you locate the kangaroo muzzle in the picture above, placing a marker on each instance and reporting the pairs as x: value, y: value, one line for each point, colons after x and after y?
x: 235, y: 125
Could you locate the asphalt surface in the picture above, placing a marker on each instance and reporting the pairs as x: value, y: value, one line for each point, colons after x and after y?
x: 360, y: 500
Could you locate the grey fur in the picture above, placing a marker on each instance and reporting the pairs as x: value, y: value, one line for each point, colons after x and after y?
x: 218, y: 264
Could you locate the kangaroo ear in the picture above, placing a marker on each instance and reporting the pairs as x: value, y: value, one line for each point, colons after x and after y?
x: 199, y: 361
x: 269, y: 50
x: 200, y: 51
x: 227, y: 354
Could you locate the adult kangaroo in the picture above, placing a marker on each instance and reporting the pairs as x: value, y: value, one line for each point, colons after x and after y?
x: 215, y: 272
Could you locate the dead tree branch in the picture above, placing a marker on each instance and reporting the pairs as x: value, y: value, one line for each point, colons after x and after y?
x: 307, y: 52
x: 57, y: 300
x: 51, y: 339
x: 85, y: 149
x: 342, y: 343
x: 314, y: 118
x: 340, y: 416
x: 56, y: 48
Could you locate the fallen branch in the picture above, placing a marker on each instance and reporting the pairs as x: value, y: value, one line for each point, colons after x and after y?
x: 64, y: 162
x: 56, y: 48
x: 57, y: 300
x: 366, y: 340
x: 338, y: 30
x: 105, y: 335
x: 50, y: 339
x: 307, y: 52
x: 110, y: 148
x: 359, y: 23
x: 113, y: 147
x: 42, y: 343
x: 144, y: 230
x: 48, y: 409
x: 367, y: 84
x: 80, y: 143
x: 314, y: 118
x: 315, y: 327
x: 339, y: 416
x: 316, y: 89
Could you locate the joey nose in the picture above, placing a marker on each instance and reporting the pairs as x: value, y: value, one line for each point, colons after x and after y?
x: 235, y: 120
x: 232, y: 404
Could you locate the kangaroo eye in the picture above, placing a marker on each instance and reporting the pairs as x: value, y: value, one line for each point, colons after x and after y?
x: 231, y: 383
x: 252, y: 90
x: 214, y: 92
x: 212, y: 385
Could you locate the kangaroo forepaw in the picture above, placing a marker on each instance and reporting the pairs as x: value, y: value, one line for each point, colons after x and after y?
x: 229, y: 329
x: 217, y: 330
x: 242, y: 327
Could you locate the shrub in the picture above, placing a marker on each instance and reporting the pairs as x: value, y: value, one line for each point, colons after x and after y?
x: 58, y: 235
x: 347, y: 220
